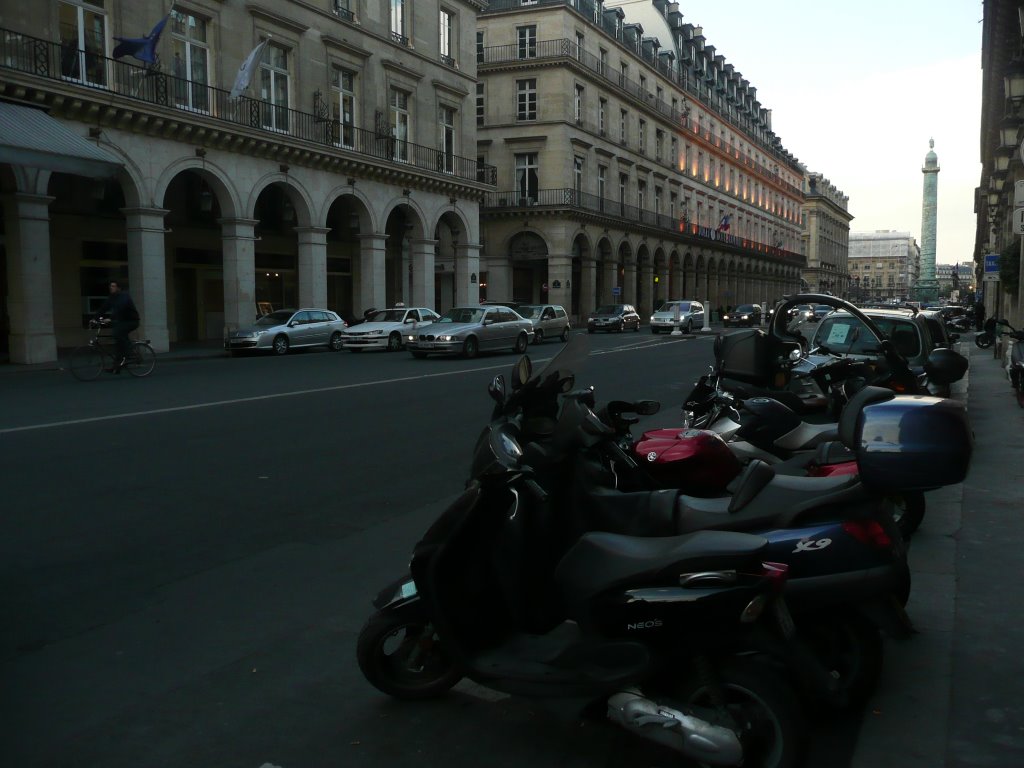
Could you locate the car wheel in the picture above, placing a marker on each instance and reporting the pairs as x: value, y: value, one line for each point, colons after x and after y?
x: 394, y: 342
x: 336, y: 342
x: 522, y: 342
x: 637, y: 329
x: 281, y: 345
x: 689, y: 327
x: 538, y: 336
x: 470, y: 348
x: 565, y: 334
x: 621, y: 328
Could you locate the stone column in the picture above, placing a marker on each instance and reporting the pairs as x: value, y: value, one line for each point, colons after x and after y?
x: 29, y: 277
x: 629, y: 284
x: 712, y: 297
x: 499, y: 278
x: 611, y: 280
x: 312, y: 266
x: 147, y: 273
x: 588, y: 288
x: 560, y: 281
x: 423, y: 273
x: 238, y: 240
x: 467, y: 274
x: 646, y: 298
x: 664, y: 290
x: 372, y: 275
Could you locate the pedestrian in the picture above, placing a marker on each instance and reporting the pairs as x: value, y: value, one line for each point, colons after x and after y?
x: 979, y: 315
x: 124, y: 319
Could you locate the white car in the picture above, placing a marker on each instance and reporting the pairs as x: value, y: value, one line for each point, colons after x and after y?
x: 691, y: 315
x: 385, y: 328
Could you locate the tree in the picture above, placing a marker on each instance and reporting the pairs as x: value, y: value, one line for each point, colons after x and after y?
x: 1009, y: 268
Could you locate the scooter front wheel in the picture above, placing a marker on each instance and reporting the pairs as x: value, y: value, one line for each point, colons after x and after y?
x: 754, y: 701
x: 908, y: 512
x: 983, y: 340
x: 403, y: 657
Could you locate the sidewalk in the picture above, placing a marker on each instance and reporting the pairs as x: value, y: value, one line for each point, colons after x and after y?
x: 950, y: 696
x: 187, y: 350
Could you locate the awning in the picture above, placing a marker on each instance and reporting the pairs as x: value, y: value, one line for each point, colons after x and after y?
x: 32, y: 138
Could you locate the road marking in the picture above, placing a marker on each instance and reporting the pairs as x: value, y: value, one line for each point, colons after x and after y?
x: 646, y: 344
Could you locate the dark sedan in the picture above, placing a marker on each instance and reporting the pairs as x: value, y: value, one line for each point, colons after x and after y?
x: 744, y: 314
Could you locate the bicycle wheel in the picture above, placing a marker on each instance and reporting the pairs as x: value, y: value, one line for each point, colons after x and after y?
x: 86, y: 363
x: 141, y: 360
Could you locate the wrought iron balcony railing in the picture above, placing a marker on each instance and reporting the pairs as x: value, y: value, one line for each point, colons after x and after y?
x: 87, y: 69
x: 568, y: 198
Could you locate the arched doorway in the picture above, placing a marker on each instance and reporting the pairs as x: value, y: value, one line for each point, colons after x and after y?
x: 347, y: 220
x: 529, y: 256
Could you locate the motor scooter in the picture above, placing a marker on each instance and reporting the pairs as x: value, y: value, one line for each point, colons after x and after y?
x: 672, y: 633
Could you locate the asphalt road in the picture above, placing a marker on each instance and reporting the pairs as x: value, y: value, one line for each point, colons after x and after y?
x: 187, y: 560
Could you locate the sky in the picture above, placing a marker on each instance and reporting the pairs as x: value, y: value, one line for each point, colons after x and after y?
x: 857, y: 90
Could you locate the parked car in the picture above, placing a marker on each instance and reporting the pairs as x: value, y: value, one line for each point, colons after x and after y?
x: 613, y: 317
x: 550, y: 321
x: 744, y: 314
x: 691, y: 313
x: 801, y: 312
x: 842, y: 334
x: 820, y: 310
x: 469, y: 330
x: 286, y: 329
x: 942, y: 335
x: 386, y: 328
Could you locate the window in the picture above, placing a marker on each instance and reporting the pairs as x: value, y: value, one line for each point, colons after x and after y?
x: 623, y: 125
x: 526, y: 95
x: 83, y: 41
x: 446, y: 118
x: 399, y: 101
x: 480, y: 38
x: 641, y: 194
x: 526, y: 178
x: 344, y: 9
x: 579, y: 46
x: 601, y: 172
x: 602, y: 106
x: 659, y: 144
x: 274, y: 87
x: 623, y: 74
x: 657, y: 200
x: 672, y: 205
x: 603, y: 61
x: 345, y: 106
x: 480, y: 104
x: 398, y: 33
x: 446, y: 24
x: 527, y: 41
x: 643, y: 87
x: 578, y: 104
x: 674, y: 150
x: 577, y: 176
x: 643, y: 136
x: 623, y: 184
x: 190, y: 65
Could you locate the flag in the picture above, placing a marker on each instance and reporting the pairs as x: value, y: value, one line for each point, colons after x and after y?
x: 245, y: 72
x: 724, y: 226
x: 142, y: 48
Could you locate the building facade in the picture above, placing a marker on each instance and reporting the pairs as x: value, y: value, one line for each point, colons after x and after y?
x: 955, y: 288
x: 884, y: 265
x: 634, y: 163
x: 345, y: 176
x: 826, y: 232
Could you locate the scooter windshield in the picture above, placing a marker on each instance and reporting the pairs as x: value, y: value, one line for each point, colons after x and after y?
x: 568, y: 361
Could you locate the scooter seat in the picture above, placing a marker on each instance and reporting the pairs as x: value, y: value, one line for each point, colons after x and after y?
x: 600, y: 561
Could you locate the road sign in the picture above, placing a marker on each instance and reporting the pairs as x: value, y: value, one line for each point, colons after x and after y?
x: 616, y: 291
x: 1018, y: 193
x: 1018, y: 221
x: 991, y: 263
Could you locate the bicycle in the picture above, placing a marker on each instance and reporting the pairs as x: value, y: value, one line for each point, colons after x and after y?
x: 90, y: 360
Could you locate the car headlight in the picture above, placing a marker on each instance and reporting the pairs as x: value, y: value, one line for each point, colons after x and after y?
x: 745, y: 317
x: 652, y: 318
x: 377, y: 333
x: 725, y: 317
x: 410, y: 338
x: 447, y: 338
x: 257, y: 334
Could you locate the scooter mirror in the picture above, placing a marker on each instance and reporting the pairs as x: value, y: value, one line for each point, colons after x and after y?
x: 944, y: 366
x: 1004, y: 321
x: 646, y: 407
x: 521, y: 372
x: 497, y: 389
x: 794, y: 355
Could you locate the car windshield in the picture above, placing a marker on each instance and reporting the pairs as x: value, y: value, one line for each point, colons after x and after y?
x: 462, y: 315
x: 825, y: 308
x: 608, y: 309
x: 530, y: 311
x: 387, y: 316
x: 743, y: 308
x: 670, y: 306
x: 846, y: 334
x: 275, y: 318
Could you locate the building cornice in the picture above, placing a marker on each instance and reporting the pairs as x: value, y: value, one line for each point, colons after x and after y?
x: 346, y: 46
x: 259, y: 12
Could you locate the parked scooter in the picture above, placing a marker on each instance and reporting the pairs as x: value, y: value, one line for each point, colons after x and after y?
x: 669, y: 632
x: 987, y: 337
x: 1015, y: 368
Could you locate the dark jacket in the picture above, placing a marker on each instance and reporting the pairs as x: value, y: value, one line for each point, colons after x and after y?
x: 120, y: 308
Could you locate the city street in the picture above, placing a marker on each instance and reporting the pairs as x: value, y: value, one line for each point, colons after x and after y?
x: 187, y: 560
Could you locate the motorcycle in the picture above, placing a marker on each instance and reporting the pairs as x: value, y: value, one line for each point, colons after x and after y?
x: 671, y: 633
x: 1015, y: 368
x: 987, y: 337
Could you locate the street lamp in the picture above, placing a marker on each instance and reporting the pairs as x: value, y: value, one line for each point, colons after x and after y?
x: 1013, y: 81
x: 1008, y: 130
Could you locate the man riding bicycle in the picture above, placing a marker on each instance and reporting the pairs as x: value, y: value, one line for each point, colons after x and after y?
x: 124, y: 319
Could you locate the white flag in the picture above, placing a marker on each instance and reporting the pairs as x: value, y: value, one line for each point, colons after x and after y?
x: 245, y: 71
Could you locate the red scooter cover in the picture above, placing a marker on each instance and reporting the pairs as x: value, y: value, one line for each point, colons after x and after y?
x: 696, y: 461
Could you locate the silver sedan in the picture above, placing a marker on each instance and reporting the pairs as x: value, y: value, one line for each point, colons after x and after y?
x: 469, y: 330
x: 284, y: 329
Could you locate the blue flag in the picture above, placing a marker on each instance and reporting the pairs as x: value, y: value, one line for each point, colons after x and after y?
x: 142, y: 48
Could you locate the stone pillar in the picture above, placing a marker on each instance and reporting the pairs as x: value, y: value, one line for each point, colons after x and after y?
x: 147, y: 273
x: 29, y: 277
x: 646, y: 298
x: 467, y: 274
x: 499, y: 278
x: 312, y: 266
x: 663, y: 292
x: 588, y: 287
x: 238, y: 240
x: 423, y: 273
x: 560, y: 272
x: 629, y: 284
x: 372, y: 288
x: 611, y: 280
x: 712, y: 296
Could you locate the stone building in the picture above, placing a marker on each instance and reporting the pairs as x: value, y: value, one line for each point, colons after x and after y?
x: 345, y: 176
x: 633, y: 162
x: 826, y: 232
x: 884, y: 265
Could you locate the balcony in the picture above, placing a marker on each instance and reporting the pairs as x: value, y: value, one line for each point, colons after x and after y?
x: 620, y: 212
x: 101, y: 75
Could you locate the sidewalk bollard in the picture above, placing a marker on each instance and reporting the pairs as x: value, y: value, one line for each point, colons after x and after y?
x: 707, y: 316
x: 675, y: 323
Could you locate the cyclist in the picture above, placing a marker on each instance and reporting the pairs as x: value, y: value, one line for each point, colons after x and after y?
x: 124, y: 319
